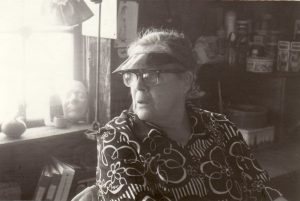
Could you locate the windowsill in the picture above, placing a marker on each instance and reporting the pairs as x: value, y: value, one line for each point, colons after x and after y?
x: 42, y: 133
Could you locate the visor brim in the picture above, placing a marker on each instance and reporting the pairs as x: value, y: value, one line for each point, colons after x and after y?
x: 147, y: 61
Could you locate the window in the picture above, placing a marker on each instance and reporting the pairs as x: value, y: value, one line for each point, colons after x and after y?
x: 35, y: 59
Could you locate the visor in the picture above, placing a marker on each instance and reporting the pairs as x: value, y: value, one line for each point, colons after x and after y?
x: 150, y: 61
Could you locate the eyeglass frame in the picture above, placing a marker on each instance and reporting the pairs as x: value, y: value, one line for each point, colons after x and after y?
x: 140, y: 72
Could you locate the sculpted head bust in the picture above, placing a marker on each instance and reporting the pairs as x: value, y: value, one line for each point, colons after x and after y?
x: 75, y: 101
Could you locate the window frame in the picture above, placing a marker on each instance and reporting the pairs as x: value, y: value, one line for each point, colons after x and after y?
x: 77, y: 68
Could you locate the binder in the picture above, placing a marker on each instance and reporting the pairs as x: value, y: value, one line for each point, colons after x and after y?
x: 67, y: 173
x: 42, y: 185
x: 52, y: 189
x: 60, y: 181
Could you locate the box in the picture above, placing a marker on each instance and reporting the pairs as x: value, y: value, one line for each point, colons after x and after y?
x: 258, y: 136
x: 259, y: 64
x: 247, y: 116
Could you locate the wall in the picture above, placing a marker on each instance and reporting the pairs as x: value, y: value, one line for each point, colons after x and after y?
x: 194, y: 18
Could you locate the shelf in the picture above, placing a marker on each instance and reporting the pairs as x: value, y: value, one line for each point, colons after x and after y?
x: 42, y: 133
x: 233, y: 72
x: 274, y: 74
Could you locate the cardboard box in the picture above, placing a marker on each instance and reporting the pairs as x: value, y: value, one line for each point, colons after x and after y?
x: 258, y: 136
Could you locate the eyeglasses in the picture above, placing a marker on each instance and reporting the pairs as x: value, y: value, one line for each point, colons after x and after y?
x: 149, y: 77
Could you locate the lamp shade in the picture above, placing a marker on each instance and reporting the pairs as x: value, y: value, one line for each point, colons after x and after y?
x: 66, y: 12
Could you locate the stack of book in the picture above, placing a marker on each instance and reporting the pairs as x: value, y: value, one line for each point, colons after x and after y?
x: 60, y: 181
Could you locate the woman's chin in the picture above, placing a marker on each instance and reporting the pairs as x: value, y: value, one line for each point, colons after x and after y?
x: 144, y: 115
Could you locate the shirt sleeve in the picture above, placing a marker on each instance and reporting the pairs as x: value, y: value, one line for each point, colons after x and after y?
x: 255, y: 180
x: 121, y: 173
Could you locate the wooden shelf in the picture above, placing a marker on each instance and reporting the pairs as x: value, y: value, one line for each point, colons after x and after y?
x: 228, y: 71
x: 274, y: 74
x: 42, y: 133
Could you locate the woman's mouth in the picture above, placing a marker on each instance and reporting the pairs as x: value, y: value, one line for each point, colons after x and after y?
x: 142, y: 102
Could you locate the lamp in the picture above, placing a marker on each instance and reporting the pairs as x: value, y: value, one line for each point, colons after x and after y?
x: 91, y: 133
x: 96, y: 124
x: 66, y: 12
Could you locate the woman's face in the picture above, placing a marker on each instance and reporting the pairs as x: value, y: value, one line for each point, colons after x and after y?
x: 75, y: 102
x: 156, y: 103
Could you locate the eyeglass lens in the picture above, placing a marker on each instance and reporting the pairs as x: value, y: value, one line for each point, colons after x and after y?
x: 149, y: 78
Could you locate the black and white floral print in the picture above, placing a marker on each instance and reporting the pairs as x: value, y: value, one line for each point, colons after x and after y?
x: 215, y: 164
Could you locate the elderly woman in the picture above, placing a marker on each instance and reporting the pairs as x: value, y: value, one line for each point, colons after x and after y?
x: 166, y: 148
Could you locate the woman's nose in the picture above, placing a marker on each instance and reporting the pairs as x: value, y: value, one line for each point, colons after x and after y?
x: 73, y: 98
x: 140, y: 84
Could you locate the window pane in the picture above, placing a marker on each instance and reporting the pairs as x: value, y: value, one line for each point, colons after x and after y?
x: 10, y: 71
x: 34, y: 58
x: 11, y: 12
x: 17, y: 13
x: 33, y: 12
x: 49, y: 65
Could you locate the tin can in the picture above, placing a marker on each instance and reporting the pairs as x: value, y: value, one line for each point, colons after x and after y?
x: 295, y: 57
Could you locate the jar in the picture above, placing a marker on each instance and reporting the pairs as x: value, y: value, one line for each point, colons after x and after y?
x: 256, y: 50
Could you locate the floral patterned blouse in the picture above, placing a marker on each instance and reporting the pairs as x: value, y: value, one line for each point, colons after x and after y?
x: 215, y: 164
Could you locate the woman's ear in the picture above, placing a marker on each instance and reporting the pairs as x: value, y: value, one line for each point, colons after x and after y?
x: 188, y: 78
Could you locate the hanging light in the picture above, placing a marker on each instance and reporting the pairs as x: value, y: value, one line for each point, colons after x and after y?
x: 66, y: 12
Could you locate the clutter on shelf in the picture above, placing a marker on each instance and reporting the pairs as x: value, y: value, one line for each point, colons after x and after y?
x: 257, y: 45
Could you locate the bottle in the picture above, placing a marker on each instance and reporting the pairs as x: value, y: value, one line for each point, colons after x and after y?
x: 221, y: 41
x: 230, y: 20
x: 231, y: 49
x: 242, y: 42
